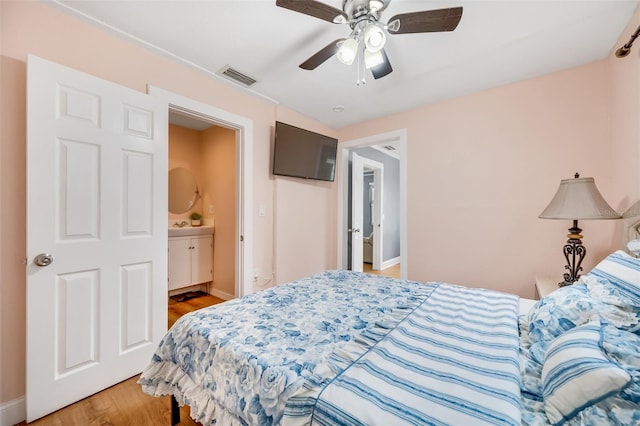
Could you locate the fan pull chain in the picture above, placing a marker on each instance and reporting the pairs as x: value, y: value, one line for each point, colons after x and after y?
x: 361, y: 68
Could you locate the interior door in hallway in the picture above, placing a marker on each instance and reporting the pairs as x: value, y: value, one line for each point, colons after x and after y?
x: 96, y: 234
x: 357, y: 194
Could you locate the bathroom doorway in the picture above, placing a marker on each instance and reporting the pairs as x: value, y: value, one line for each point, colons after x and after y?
x: 235, y: 249
x: 206, y: 152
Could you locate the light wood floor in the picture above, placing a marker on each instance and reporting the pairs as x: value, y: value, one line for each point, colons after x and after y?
x: 178, y: 309
x: 125, y: 403
x: 391, y: 271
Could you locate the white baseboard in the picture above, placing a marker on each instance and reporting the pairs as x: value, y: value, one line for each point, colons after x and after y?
x: 13, y: 412
x: 221, y: 294
x: 390, y: 262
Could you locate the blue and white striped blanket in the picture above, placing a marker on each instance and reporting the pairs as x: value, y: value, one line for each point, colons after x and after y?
x: 452, y: 361
x: 346, y: 348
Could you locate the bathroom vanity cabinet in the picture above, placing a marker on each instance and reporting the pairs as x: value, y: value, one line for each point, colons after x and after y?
x: 190, y: 261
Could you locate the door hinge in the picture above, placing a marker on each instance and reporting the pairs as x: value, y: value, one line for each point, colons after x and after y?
x: 241, y: 238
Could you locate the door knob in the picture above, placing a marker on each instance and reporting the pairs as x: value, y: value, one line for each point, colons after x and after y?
x: 43, y: 259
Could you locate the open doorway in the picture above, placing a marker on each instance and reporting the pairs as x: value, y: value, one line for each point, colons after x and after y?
x: 242, y: 130
x: 366, y: 221
x: 373, y: 224
x: 396, y: 264
x: 202, y: 218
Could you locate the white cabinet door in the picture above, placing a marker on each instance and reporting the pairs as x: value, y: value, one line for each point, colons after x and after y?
x: 179, y: 262
x: 96, y: 234
x: 190, y: 261
x: 202, y: 259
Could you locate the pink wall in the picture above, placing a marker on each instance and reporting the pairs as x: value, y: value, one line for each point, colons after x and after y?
x: 13, y: 244
x: 35, y: 28
x: 481, y: 168
x: 624, y: 98
x: 303, y: 246
x: 219, y: 180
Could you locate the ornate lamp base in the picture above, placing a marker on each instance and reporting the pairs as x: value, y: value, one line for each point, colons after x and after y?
x: 574, y: 252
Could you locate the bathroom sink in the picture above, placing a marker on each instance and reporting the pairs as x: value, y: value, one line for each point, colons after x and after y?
x: 186, y: 231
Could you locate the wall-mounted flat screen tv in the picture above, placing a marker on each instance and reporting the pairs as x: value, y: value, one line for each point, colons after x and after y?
x: 301, y: 153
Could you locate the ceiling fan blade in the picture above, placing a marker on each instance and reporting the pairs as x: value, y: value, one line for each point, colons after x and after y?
x: 314, y: 8
x: 322, y: 55
x: 427, y: 21
x: 383, y: 68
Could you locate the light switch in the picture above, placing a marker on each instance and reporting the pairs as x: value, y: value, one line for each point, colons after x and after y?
x: 262, y: 212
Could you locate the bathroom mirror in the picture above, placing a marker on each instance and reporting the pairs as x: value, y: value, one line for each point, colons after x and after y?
x: 183, y: 190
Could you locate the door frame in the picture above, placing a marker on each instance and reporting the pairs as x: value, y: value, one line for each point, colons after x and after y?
x: 399, y: 139
x: 244, y: 174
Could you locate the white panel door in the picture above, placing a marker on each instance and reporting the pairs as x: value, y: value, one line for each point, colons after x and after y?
x: 357, y: 171
x: 377, y: 216
x: 97, y: 206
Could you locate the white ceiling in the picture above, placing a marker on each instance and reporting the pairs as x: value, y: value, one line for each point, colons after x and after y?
x: 496, y: 43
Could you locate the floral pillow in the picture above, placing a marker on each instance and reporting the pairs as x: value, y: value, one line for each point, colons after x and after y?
x: 562, y: 310
x: 575, y: 305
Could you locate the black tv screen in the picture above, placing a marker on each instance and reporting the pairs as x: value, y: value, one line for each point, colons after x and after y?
x: 304, y: 154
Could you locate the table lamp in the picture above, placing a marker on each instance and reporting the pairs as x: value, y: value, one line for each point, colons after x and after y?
x: 577, y: 199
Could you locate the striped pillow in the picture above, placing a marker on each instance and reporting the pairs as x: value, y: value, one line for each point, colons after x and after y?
x: 577, y: 374
x: 621, y: 270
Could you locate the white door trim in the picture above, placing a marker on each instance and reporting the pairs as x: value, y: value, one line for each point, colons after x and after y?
x: 244, y: 170
x: 399, y: 138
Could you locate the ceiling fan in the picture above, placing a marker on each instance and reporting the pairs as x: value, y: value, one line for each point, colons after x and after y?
x: 363, y: 16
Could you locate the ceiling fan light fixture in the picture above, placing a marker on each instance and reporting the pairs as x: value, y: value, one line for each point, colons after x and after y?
x: 372, y: 59
x: 374, y: 38
x: 348, y: 51
x: 375, y: 5
x: 340, y: 19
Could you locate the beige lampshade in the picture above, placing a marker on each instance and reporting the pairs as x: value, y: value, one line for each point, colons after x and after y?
x: 578, y: 199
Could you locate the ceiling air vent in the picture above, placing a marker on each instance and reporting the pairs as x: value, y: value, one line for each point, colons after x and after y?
x: 237, y: 76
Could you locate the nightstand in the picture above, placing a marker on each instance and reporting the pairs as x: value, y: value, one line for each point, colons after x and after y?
x: 545, y: 285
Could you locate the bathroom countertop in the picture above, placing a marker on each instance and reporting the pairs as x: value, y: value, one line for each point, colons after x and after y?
x: 187, y: 231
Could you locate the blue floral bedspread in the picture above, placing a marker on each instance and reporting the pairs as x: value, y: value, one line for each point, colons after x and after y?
x: 262, y: 359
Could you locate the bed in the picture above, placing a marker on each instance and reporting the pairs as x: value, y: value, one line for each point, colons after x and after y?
x: 349, y: 348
